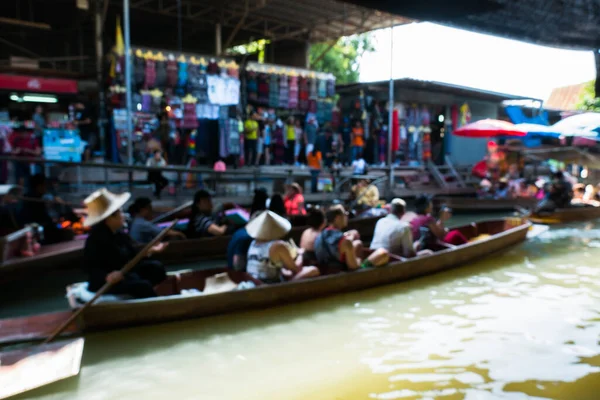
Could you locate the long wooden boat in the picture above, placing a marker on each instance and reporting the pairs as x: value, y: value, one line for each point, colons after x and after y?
x: 68, y: 255
x: 567, y: 215
x: 473, y: 204
x: 489, y: 237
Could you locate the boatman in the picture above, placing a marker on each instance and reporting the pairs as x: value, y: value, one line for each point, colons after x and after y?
x: 108, y: 249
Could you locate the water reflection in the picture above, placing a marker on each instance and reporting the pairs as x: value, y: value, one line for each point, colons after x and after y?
x: 521, y: 325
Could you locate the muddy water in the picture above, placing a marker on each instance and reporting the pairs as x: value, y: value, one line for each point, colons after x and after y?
x: 521, y: 325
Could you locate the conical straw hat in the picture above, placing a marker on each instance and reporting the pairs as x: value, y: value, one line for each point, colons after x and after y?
x: 218, y: 284
x: 101, y: 204
x: 268, y: 226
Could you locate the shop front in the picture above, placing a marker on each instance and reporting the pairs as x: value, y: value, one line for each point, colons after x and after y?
x: 425, y: 115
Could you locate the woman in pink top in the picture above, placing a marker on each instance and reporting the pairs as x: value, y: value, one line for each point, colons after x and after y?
x: 424, y: 219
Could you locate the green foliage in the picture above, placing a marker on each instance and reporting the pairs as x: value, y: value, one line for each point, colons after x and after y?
x: 343, y: 59
x: 588, y: 101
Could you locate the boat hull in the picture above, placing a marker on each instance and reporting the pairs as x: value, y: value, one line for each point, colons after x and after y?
x: 565, y: 216
x: 172, y: 308
x: 472, y: 204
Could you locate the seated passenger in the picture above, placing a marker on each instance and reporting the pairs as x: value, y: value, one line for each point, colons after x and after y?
x: 201, y: 221
x: 558, y: 195
x: 270, y: 259
x: 294, y: 200
x: 337, y: 251
x: 316, y: 222
x: 502, y: 191
x: 424, y: 219
x: 393, y: 234
x: 277, y: 206
x: 578, y: 193
x: 107, y: 250
x: 141, y: 229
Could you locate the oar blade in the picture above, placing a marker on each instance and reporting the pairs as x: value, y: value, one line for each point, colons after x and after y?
x: 26, y: 369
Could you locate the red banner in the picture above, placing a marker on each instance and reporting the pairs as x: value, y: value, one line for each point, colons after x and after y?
x: 35, y: 84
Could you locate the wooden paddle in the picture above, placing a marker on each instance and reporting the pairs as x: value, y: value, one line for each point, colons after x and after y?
x: 128, y: 267
x: 25, y: 369
x: 174, y: 211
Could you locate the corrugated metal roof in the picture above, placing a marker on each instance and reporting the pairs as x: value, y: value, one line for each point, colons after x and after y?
x: 565, y: 98
x: 432, y: 86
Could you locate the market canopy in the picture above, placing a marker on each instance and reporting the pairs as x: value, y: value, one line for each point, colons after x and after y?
x: 488, y: 128
x: 561, y: 23
x: 569, y: 155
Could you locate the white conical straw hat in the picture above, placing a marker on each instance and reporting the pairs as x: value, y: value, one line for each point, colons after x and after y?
x: 101, y: 204
x: 218, y: 284
x: 268, y: 226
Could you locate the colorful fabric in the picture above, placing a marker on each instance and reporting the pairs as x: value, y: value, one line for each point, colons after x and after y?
x: 283, y: 92
x: 274, y: 91
x: 293, y: 93
x: 322, y: 88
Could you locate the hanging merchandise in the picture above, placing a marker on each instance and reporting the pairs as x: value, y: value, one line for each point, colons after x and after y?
x: 330, y: 87
x: 150, y: 71
x: 252, y: 87
x: 161, y: 71
x: 283, y: 92
x: 233, y: 71
x: 336, y: 117
x: 312, y: 84
x: 426, y: 146
x: 395, y: 131
x: 156, y: 101
x: 322, y: 88
x: 183, y: 76
x: 263, y: 89
x: 274, y: 91
x: 139, y: 74
x: 146, y: 101
x: 293, y: 100
x: 303, y: 94
x: 213, y: 67
x: 171, y: 71
x: 465, y: 114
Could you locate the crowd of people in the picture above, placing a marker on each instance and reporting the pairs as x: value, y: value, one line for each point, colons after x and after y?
x: 259, y: 247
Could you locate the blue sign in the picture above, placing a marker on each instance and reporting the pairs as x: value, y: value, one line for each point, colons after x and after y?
x: 62, y: 145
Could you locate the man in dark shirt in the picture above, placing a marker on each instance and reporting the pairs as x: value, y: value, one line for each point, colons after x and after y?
x: 201, y: 223
x: 108, y: 249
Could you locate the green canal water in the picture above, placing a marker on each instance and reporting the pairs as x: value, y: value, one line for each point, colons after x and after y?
x: 524, y: 324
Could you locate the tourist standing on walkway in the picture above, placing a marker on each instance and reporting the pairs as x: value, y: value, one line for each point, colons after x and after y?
x: 346, y: 131
x: 290, y: 145
x: 314, y: 160
x: 311, y: 130
x: 251, y: 129
x: 300, y: 139
x: 156, y: 177
x: 358, y: 140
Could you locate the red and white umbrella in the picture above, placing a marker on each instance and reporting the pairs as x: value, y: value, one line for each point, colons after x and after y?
x: 487, y: 128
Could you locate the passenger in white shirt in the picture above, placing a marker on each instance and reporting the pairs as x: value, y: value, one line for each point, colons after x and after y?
x: 393, y: 234
x: 359, y: 166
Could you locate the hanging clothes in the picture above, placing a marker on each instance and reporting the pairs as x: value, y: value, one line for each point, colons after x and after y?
x: 182, y: 78
x: 322, y: 88
x: 331, y: 88
x: 395, y: 131
x: 283, y: 92
x: 150, y: 74
x: 293, y: 93
x: 274, y: 91
x: 252, y: 87
x: 171, y: 73
x: 161, y: 74
x: 213, y: 68
x: 303, y: 95
x: 263, y: 89
x: 139, y: 73
x: 313, y: 92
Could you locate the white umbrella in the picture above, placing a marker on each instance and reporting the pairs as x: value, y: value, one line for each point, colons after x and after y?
x: 584, y: 125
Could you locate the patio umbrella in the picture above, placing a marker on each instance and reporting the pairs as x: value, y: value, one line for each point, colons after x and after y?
x: 586, y: 125
x: 487, y: 128
x: 539, y: 130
